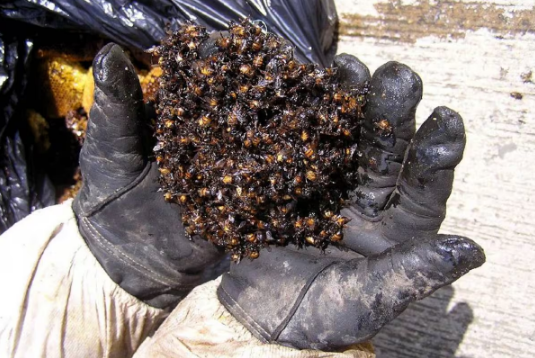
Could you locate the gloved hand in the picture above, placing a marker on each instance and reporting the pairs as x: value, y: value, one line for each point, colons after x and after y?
x: 304, y: 298
x: 137, y: 236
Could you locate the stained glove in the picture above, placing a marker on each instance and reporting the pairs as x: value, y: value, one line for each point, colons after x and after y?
x: 137, y: 236
x: 391, y: 253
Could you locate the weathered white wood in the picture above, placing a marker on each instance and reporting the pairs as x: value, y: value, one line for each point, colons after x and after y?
x: 494, y: 191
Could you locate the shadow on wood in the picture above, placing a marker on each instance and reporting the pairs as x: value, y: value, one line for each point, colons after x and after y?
x: 428, y: 328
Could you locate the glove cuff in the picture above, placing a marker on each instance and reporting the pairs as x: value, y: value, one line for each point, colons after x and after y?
x: 136, y: 268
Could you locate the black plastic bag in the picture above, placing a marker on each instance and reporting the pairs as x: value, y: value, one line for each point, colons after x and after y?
x: 309, y: 24
x: 23, y: 188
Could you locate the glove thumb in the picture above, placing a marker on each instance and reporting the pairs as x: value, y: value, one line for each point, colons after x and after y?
x: 362, y: 295
x: 113, y: 153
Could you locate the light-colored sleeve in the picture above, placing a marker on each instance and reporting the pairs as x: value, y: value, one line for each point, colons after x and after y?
x: 201, y: 327
x: 57, y: 301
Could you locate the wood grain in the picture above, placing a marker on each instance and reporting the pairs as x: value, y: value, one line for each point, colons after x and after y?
x: 488, y: 313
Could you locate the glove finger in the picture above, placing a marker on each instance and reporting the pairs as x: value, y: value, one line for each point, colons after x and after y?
x: 389, y: 125
x: 350, y: 302
x: 353, y: 73
x: 113, y: 152
x: 425, y: 184
x: 363, y: 234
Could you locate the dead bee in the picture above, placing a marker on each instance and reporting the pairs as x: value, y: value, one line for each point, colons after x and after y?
x: 205, y: 70
x: 351, y: 104
x: 337, y: 236
x: 246, y: 70
x: 257, y: 45
x: 254, y: 104
x: 310, y: 153
x: 256, y: 30
x: 204, y: 121
x: 338, y: 97
x: 178, y: 111
x: 273, y: 43
x: 232, y: 118
x: 258, y: 61
x: 204, y: 192
x: 223, y: 42
x: 197, y: 90
x: 258, y: 91
x: 243, y: 88
x: 311, y: 175
x: 383, y: 126
x: 213, y: 102
x: 192, y: 45
x: 237, y: 30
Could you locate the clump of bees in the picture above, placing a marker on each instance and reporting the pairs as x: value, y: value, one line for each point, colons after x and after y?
x: 258, y: 148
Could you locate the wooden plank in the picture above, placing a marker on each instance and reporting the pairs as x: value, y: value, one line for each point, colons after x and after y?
x: 488, y: 313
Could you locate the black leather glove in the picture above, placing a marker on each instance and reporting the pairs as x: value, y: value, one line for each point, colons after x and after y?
x: 137, y: 236
x: 393, y: 256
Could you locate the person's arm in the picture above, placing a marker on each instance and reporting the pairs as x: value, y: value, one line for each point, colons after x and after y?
x: 56, y: 298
